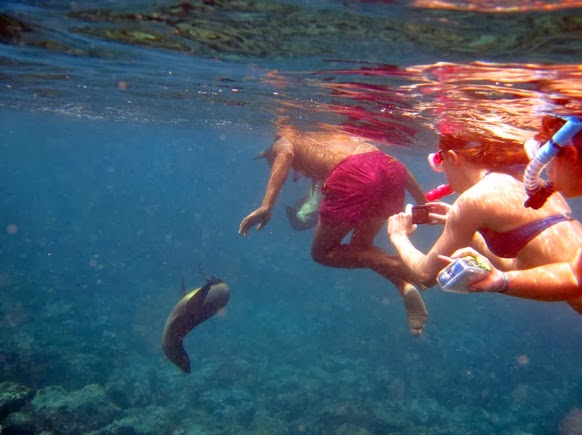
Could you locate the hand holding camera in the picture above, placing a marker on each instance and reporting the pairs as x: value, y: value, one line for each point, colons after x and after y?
x: 420, y: 214
x: 432, y: 213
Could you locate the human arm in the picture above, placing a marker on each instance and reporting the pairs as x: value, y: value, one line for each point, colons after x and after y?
x: 460, y: 226
x: 549, y: 282
x: 414, y: 188
x: 400, y: 229
x: 283, y: 161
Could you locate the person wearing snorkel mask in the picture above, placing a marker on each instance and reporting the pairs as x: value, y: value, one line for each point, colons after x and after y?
x: 361, y: 187
x: 557, y: 281
x: 565, y: 170
x: 489, y: 214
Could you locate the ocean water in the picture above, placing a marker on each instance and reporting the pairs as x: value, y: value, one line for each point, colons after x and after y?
x: 127, y: 136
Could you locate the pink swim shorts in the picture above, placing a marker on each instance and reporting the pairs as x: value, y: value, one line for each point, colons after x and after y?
x: 363, y: 187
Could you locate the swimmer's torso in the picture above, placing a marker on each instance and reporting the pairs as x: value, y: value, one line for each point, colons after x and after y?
x: 558, y: 242
x: 317, y: 154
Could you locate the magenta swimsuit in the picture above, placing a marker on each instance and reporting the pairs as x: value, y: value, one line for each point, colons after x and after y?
x: 508, y: 243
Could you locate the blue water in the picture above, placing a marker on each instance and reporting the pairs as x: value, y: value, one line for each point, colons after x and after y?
x: 110, y: 194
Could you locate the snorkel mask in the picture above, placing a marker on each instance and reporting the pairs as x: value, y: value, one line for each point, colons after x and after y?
x: 435, y: 160
x: 537, y: 189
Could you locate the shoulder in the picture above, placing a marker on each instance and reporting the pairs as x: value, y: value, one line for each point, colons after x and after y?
x: 487, y: 197
x: 557, y: 204
x: 283, y: 145
x: 496, y: 187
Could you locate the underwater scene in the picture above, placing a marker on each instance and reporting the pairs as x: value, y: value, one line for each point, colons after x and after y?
x: 129, y: 136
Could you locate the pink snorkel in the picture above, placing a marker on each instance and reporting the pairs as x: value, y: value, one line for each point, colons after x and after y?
x: 438, y: 192
x: 537, y: 189
x: 435, y: 160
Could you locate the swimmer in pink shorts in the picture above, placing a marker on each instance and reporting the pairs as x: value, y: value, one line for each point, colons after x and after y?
x: 362, y: 187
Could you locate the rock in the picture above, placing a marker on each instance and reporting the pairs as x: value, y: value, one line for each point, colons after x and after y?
x: 18, y: 423
x: 81, y: 411
x: 351, y: 429
x: 571, y: 424
x: 152, y: 420
x: 265, y: 423
x: 229, y: 405
x: 132, y: 388
x: 12, y: 397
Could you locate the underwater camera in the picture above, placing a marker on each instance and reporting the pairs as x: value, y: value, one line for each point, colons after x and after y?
x: 458, y: 275
x: 420, y: 214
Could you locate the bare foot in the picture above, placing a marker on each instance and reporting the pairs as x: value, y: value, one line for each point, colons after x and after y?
x: 415, y: 309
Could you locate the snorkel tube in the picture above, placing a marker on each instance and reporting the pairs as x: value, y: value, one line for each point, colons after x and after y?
x: 438, y: 192
x: 537, y: 189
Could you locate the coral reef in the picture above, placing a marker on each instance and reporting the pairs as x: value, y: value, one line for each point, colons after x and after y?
x: 150, y: 420
x: 12, y: 398
x: 81, y: 411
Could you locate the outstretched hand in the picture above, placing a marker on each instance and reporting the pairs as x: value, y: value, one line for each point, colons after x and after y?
x: 490, y: 282
x: 400, y: 224
x: 260, y: 217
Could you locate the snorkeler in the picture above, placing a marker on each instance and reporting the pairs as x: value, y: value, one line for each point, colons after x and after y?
x: 362, y: 188
x: 489, y: 214
x: 558, y: 145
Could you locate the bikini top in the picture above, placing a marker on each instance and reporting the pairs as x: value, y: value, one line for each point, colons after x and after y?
x: 508, y: 243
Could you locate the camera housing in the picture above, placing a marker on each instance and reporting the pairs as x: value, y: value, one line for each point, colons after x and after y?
x: 457, y: 276
x: 420, y: 214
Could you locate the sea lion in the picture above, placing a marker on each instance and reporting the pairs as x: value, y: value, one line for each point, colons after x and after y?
x: 193, y: 309
x: 303, y: 215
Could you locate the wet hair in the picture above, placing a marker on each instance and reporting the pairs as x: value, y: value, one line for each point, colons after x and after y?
x: 481, y: 145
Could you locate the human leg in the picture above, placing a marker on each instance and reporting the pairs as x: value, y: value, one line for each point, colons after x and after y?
x: 416, y: 312
x: 358, y: 195
x: 360, y: 252
x: 328, y: 250
x: 390, y: 267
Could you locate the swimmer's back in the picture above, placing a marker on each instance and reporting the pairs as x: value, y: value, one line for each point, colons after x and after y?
x: 316, y: 154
